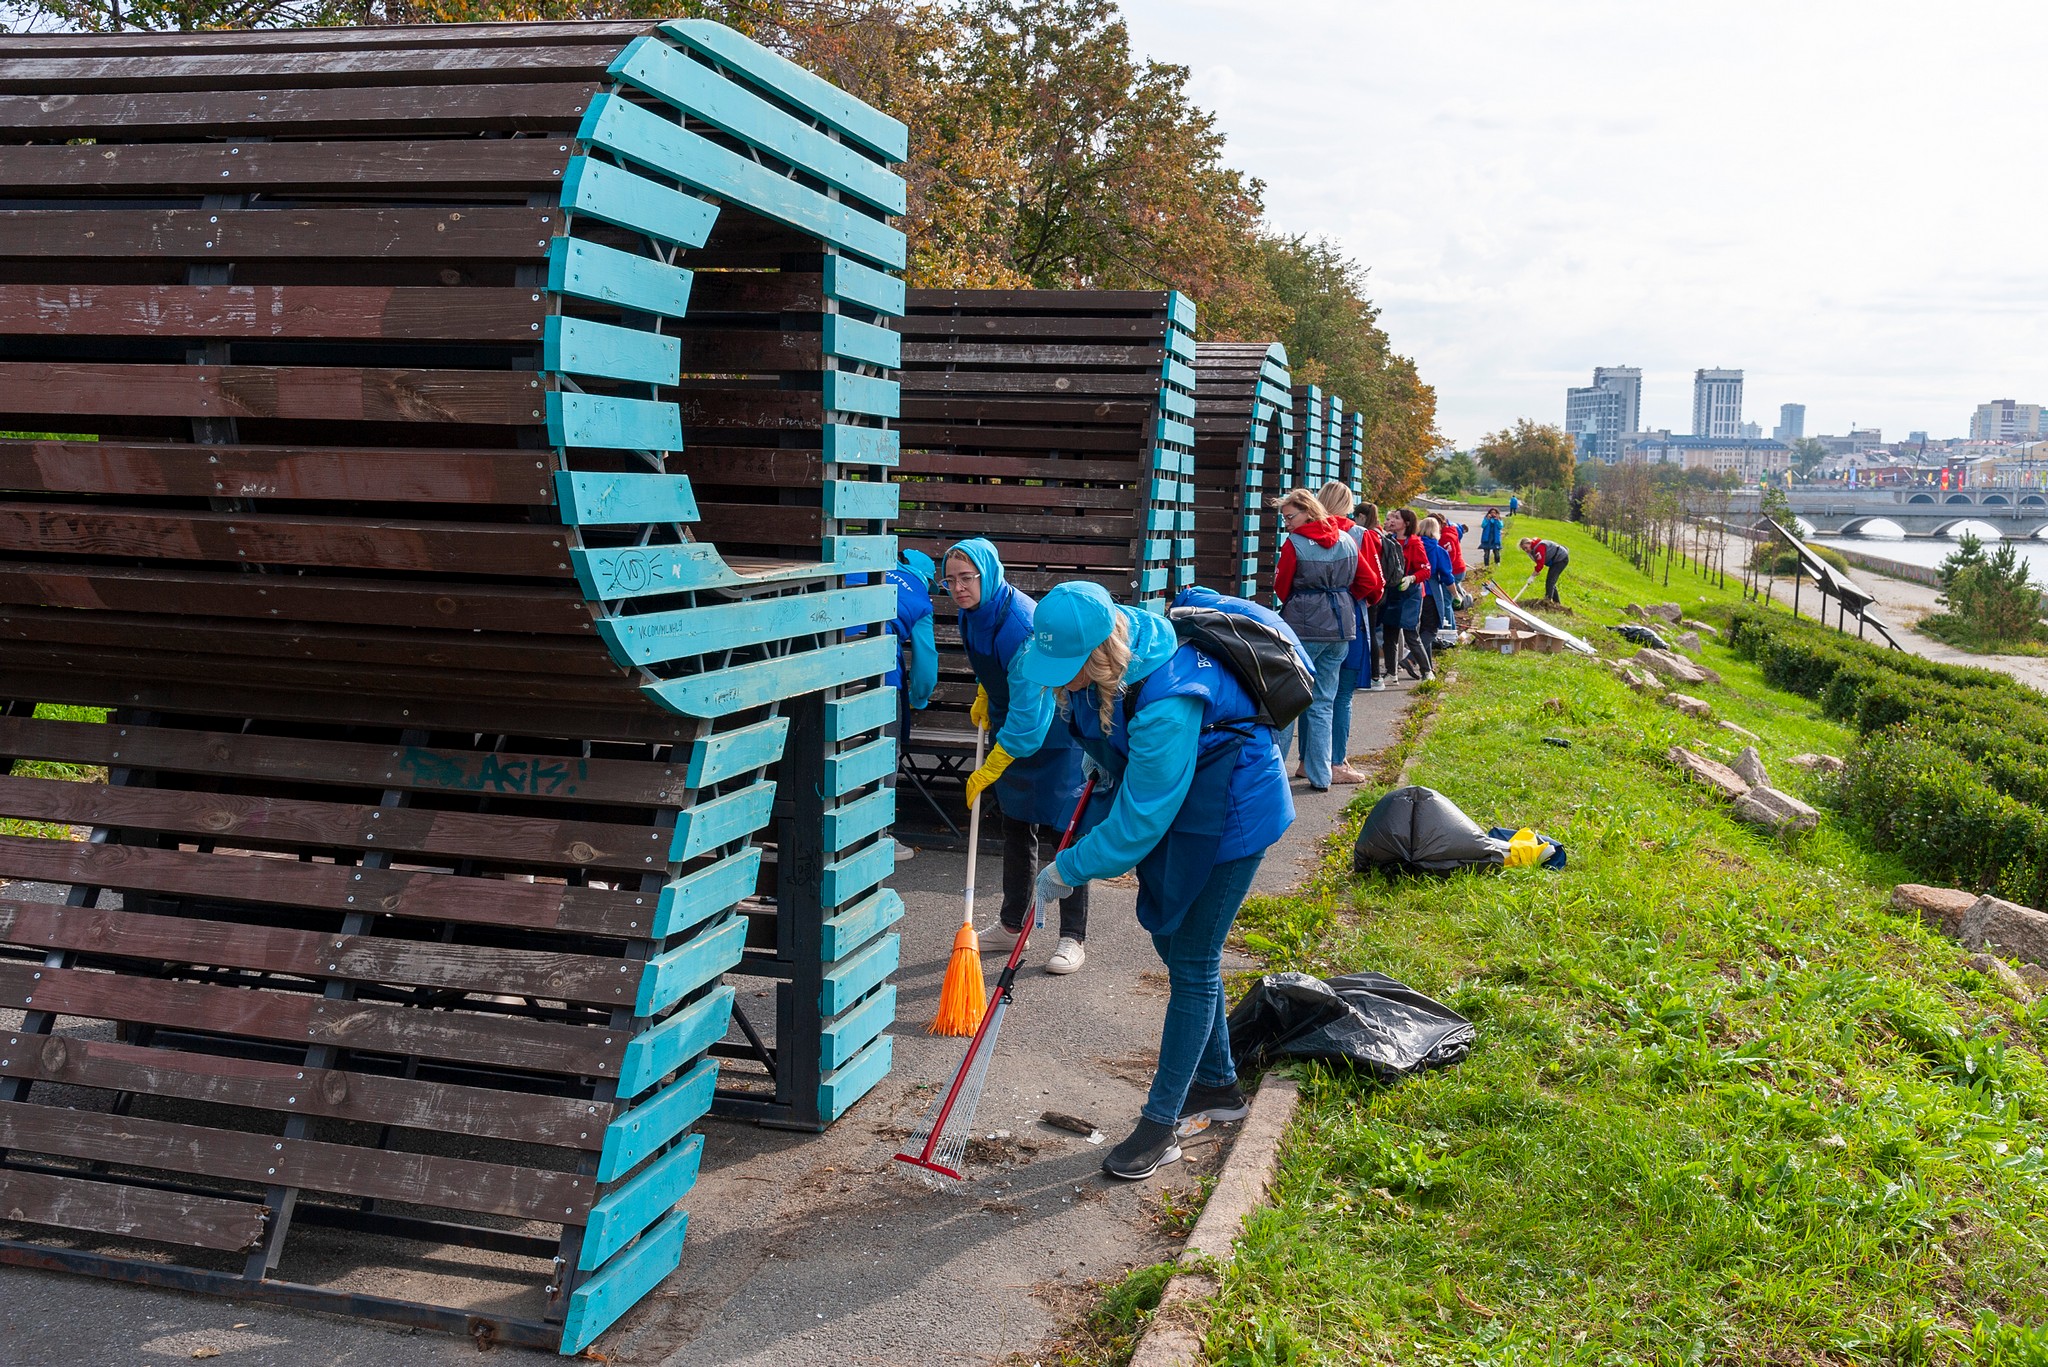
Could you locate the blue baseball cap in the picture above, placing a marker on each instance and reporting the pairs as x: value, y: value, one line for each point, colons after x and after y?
x: 1070, y: 622
x: 918, y: 563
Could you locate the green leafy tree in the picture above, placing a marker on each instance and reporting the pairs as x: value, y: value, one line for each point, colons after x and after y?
x: 1453, y: 475
x: 1991, y: 599
x: 1807, y: 454
x: 1529, y: 455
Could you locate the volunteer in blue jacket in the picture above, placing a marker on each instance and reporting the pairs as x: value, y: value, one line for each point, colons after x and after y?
x: 916, y: 671
x: 1198, y: 798
x: 1035, y: 766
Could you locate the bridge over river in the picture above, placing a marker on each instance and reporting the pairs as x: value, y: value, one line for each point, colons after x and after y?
x: 1915, y: 509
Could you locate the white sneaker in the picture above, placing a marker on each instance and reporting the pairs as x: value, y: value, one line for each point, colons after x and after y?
x: 1070, y: 955
x: 904, y: 852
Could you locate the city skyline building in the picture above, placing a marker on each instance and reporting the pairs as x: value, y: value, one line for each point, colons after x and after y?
x: 1598, y: 415
x: 1717, y: 403
x: 1791, y: 422
x: 2006, y: 420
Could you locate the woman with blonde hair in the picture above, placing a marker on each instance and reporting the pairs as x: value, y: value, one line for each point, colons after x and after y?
x: 1200, y: 792
x: 1362, y: 655
x: 1319, y: 579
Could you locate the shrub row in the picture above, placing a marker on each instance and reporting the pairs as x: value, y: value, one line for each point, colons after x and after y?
x: 1951, y: 768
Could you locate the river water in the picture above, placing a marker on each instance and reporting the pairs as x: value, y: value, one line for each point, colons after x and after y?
x: 1932, y: 550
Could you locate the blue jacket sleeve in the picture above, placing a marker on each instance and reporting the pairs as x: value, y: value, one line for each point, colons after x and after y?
x: 1164, y: 740
x: 921, y: 671
x: 1031, y: 714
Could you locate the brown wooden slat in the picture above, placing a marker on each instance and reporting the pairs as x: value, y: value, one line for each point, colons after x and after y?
x: 331, y: 393
x: 494, y: 836
x: 485, y: 233
x: 257, y: 538
x: 412, y: 109
x: 1079, y: 302
x: 997, y: 525
x: 169, y: 470
x: 349, y: 39
x: 1054, y: 499
x: 332, y: 887
x: 769, y: 467
x: 409, y: 768
x: 1047, y: 354
x: 365, y: 958
x: 225, y: 168
x: 1133, y: 413
x: 992, y: 437
x: 1064, y: 326
x: 1067, y: 384
x: 370, y: 1099
x: 716, y: 291
x: 769, y: 409
x: 760, y: 524
x: 168, y: 589
x: 310, y: 1019
x: 748, y: 349
x: 452, y: 1183
x: 978, y: 465
x: 314, y: 311
x: 108, y: 1207
x: 261, y: 69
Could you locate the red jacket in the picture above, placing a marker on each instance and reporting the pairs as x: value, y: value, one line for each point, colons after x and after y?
x: 1537, y: 549
x: 1415, y: 558
x: 1365, y: 582
x: 1452, y: 544
x: 1368, y: 557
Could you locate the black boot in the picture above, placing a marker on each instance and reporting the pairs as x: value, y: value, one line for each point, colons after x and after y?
x: 1149, y: 1148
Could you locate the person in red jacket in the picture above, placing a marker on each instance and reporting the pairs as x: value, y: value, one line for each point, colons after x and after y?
x: 1549, y: 556
x: 1406, y: 612
x: 1319, y: 580
x: 1359, y: 661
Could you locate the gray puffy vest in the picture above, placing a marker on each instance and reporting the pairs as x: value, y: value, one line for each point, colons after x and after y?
x: 1318, y: 604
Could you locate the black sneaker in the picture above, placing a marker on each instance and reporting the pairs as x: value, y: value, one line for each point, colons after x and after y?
x: 1149, y: 1148
x: 1208, y: 1106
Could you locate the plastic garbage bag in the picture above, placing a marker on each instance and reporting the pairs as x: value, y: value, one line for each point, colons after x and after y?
x: 1419, y: 830
x: 1367, y: 1019
x: 1640, y: 635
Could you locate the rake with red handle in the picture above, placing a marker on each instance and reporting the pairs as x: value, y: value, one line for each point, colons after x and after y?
x: 940, y: 1143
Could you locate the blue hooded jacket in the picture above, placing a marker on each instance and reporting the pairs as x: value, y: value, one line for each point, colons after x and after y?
x: 1044, y: 780
x: 916, y: 671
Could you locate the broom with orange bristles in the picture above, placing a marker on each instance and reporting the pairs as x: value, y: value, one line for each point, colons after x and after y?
x: 963, y: 997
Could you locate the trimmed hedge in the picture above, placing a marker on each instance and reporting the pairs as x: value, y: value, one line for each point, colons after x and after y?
x: 1951, y: 769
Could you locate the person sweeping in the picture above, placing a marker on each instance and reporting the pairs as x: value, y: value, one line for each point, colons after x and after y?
x: 1034, y: 766
x: 1200, y: 794
x: 1550, y: 559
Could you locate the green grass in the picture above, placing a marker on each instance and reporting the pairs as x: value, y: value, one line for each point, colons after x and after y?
x: 1726, y: 1106
x: 44, y: 830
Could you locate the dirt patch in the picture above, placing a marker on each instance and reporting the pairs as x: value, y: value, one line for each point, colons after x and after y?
x: 1153, y: 983
x: 1135, y: 1067
x: 1721, y: 859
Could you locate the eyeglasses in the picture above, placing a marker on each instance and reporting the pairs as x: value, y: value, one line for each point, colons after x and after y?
x: 953, y: 581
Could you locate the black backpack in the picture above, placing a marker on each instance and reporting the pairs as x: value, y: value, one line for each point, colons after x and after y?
x: 1263, y: 655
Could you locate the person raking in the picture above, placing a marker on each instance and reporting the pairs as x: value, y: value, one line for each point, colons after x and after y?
x: 1200, y: 793
x: 1550, y: 559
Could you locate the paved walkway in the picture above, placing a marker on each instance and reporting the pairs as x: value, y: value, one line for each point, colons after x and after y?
x: 814, y: 1248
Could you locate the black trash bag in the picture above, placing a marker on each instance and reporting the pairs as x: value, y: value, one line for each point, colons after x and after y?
x: 1419, y: 830
x: 1367, y: 1019
x: 1641, y: 636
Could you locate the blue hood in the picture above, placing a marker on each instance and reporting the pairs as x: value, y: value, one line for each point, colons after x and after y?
x: 981, y: 553
x: 1153, y: 642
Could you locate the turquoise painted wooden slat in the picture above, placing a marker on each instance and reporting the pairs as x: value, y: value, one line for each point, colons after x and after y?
x: 853, y: 554
x: 724, y: 691
x: 859, y: 974
x: 653, y: 1054
x: 858, y: 819
x: 1181, y: 345
x: 1157, y: 548
x: 722, y: 820
x: 845, y: 879
x: 589, y: 499
x: 696, y: 89
x: 606, y: 423
x: 720, y: 755
x: 868, y: 498
x: 580, y: 347
x: 1162, y: 491
x: 850, y: 716
x: 847, y: 1084
x: 848, y: 392
x: 642, y: 136
x: 793, y: 84
x: 852, y: 283
x: 590, y: 270
x: 675, y: 975
x: 1180, y: 310
x: 861, y: 765
x: 1187, y: 550
x: 636, y: 1134
x: 613, y: 574
x: 860, y: 923
x: 1177, y: 432
x: 652, y: 637
x: 1178, y: 373
x: 1152, y: 581
x: 623, y: 1281
x: 845, y: 444
x: 639, y: 1202
x: 852, y: 340
x: 1173, y: 401
x: 705, y: 892
x: 841, y: 1039
x: 616, y: 195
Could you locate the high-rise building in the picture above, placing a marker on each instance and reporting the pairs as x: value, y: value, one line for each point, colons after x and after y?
x: 1791, y: 422
x: 1752, y: 431
x: 1717, y: 403
x: 1597, y: 415
x: 2005, y: 420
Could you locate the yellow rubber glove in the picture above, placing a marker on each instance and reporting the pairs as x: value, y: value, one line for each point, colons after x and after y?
x: 978, y: 714
x: 1525, y: 849
x: 991, y: 769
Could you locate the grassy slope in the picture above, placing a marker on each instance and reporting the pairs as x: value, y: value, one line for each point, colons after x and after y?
x: 1725, y: 1106
x: 39, y: 769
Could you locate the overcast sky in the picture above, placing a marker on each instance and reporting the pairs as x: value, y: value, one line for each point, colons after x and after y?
x: 1848, y: 201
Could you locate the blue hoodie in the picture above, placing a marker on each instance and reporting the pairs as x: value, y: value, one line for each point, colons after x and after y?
x: 1164, y: 742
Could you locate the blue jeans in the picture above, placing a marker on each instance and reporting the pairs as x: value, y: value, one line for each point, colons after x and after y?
x: 1340, y: 716
x: 1194, y: 1044
x: 1327, y: 657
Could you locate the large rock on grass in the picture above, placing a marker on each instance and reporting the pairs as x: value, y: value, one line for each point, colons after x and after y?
x: 1776, y: 811
x: 1694, y: 624
x: 2005, y: 928
x: 1670, y: 612
x: 1716, y: 776
x: 1690, y: 706
x: 1666, y: 665
x: 2003, y: 976
x: 1750, y: 765
x: 1689, y: 642
x: 1821, y: 764
x: 1941, y: 908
